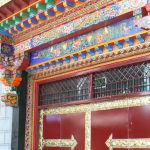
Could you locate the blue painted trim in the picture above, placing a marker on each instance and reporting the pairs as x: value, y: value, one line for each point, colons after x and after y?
x: 75, y: 57
x: 51, y: 13
x: 19, y: 28
x: 141, y: 38
x: 4, y: 33
x: 130, y: 41
x: 61, y: 9
x: 34, y: 70
x: 26, y: 24
x: 47, y: 65
x: 99, y: 50
x: 53, y: 64
x: 41, y: 68
x: 83, y: 55
x: 119, y: 45
x: 60, y: 62
x: 42, y: 17
x: 109, y: 47
x: 67, y: 59
x: 91, y: 52
x: 71, y: 4
x: 34, y: 21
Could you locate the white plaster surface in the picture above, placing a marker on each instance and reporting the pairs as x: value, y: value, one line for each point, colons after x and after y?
x: 5, y: 123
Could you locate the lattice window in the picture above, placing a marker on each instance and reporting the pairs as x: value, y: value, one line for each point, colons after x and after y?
x: 116, y: 81
x: 123, y: 80
x: 73, y: 89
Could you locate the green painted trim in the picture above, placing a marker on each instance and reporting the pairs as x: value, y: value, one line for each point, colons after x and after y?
x: 41, y: 6
x: 51, y: 2
x: 32, y: 11
x: 10, y: 22
x: 25, y: 15
x: 17, y: 19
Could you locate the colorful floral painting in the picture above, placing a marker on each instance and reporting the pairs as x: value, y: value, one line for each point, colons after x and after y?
x: 7, y: 49
x: 100, y: 15
x: 118, y: 30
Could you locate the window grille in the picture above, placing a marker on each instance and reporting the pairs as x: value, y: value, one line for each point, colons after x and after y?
x: 123, y: 80
x: 73, y: 89
x: 117, y: 81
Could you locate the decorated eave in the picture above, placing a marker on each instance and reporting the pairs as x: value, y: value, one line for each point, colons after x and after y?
x: 111, y: 50
x: 35, y: 13
x: 105, y: 52
x: 13, y: 64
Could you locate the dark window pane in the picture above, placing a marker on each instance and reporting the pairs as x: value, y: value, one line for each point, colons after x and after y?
x: 123, y: 80
x: 73, y: 89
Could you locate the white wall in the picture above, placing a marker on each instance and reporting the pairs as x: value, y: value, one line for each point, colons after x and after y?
x: 5, y: 124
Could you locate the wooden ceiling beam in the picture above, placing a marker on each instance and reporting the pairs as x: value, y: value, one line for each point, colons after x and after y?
x: 3, y: 14
x: 10, y: 9
x: 17, y: 5
x: 26, y: 2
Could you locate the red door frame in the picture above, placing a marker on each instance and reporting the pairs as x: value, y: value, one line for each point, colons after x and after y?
x: 36, y: 108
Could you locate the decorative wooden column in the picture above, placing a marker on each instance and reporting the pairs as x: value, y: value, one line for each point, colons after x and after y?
x: 12, y: 66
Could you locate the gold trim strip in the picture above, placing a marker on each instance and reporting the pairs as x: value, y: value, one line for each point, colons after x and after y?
x: 116, y: 104
x: 68, y: 143
x: 88, y: 108
x: 41, y: 140
x: 127, y: 143
x: 88, y: 130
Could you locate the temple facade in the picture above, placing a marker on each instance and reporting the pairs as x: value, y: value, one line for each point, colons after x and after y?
x: 78, y: 73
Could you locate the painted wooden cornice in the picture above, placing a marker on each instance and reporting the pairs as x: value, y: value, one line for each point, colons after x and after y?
x: 36, y: 13
x: 116, y: 49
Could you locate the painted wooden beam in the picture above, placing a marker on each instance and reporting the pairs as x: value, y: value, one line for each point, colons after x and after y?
x: 51, y: 2
x: 91, y: 52
x: 141, y: 38
x: 41, y: 67
x: 70, y: 4
x: 99, y: 50
x: 13, y: 31
x: 47, y: 65
x: 32, y: 11
x: 41, y: 6
x: 10, y: 22
x: 33, y: 20
x: 130, y: 41
x: 53, y: 63
x: 75, y: 57
x: 19, y: 28
x: 50, y: 13
x: 109, y: 47
x: 4, y: 25
x: 41, y: 17
x: 119, y: 45
x: 25, y: 24
x: 60, y: 8
x: 67, y: 59
x: 60, y: 62
x: 16, y: 19
x: 83, y: 55
x: 25, y: 15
